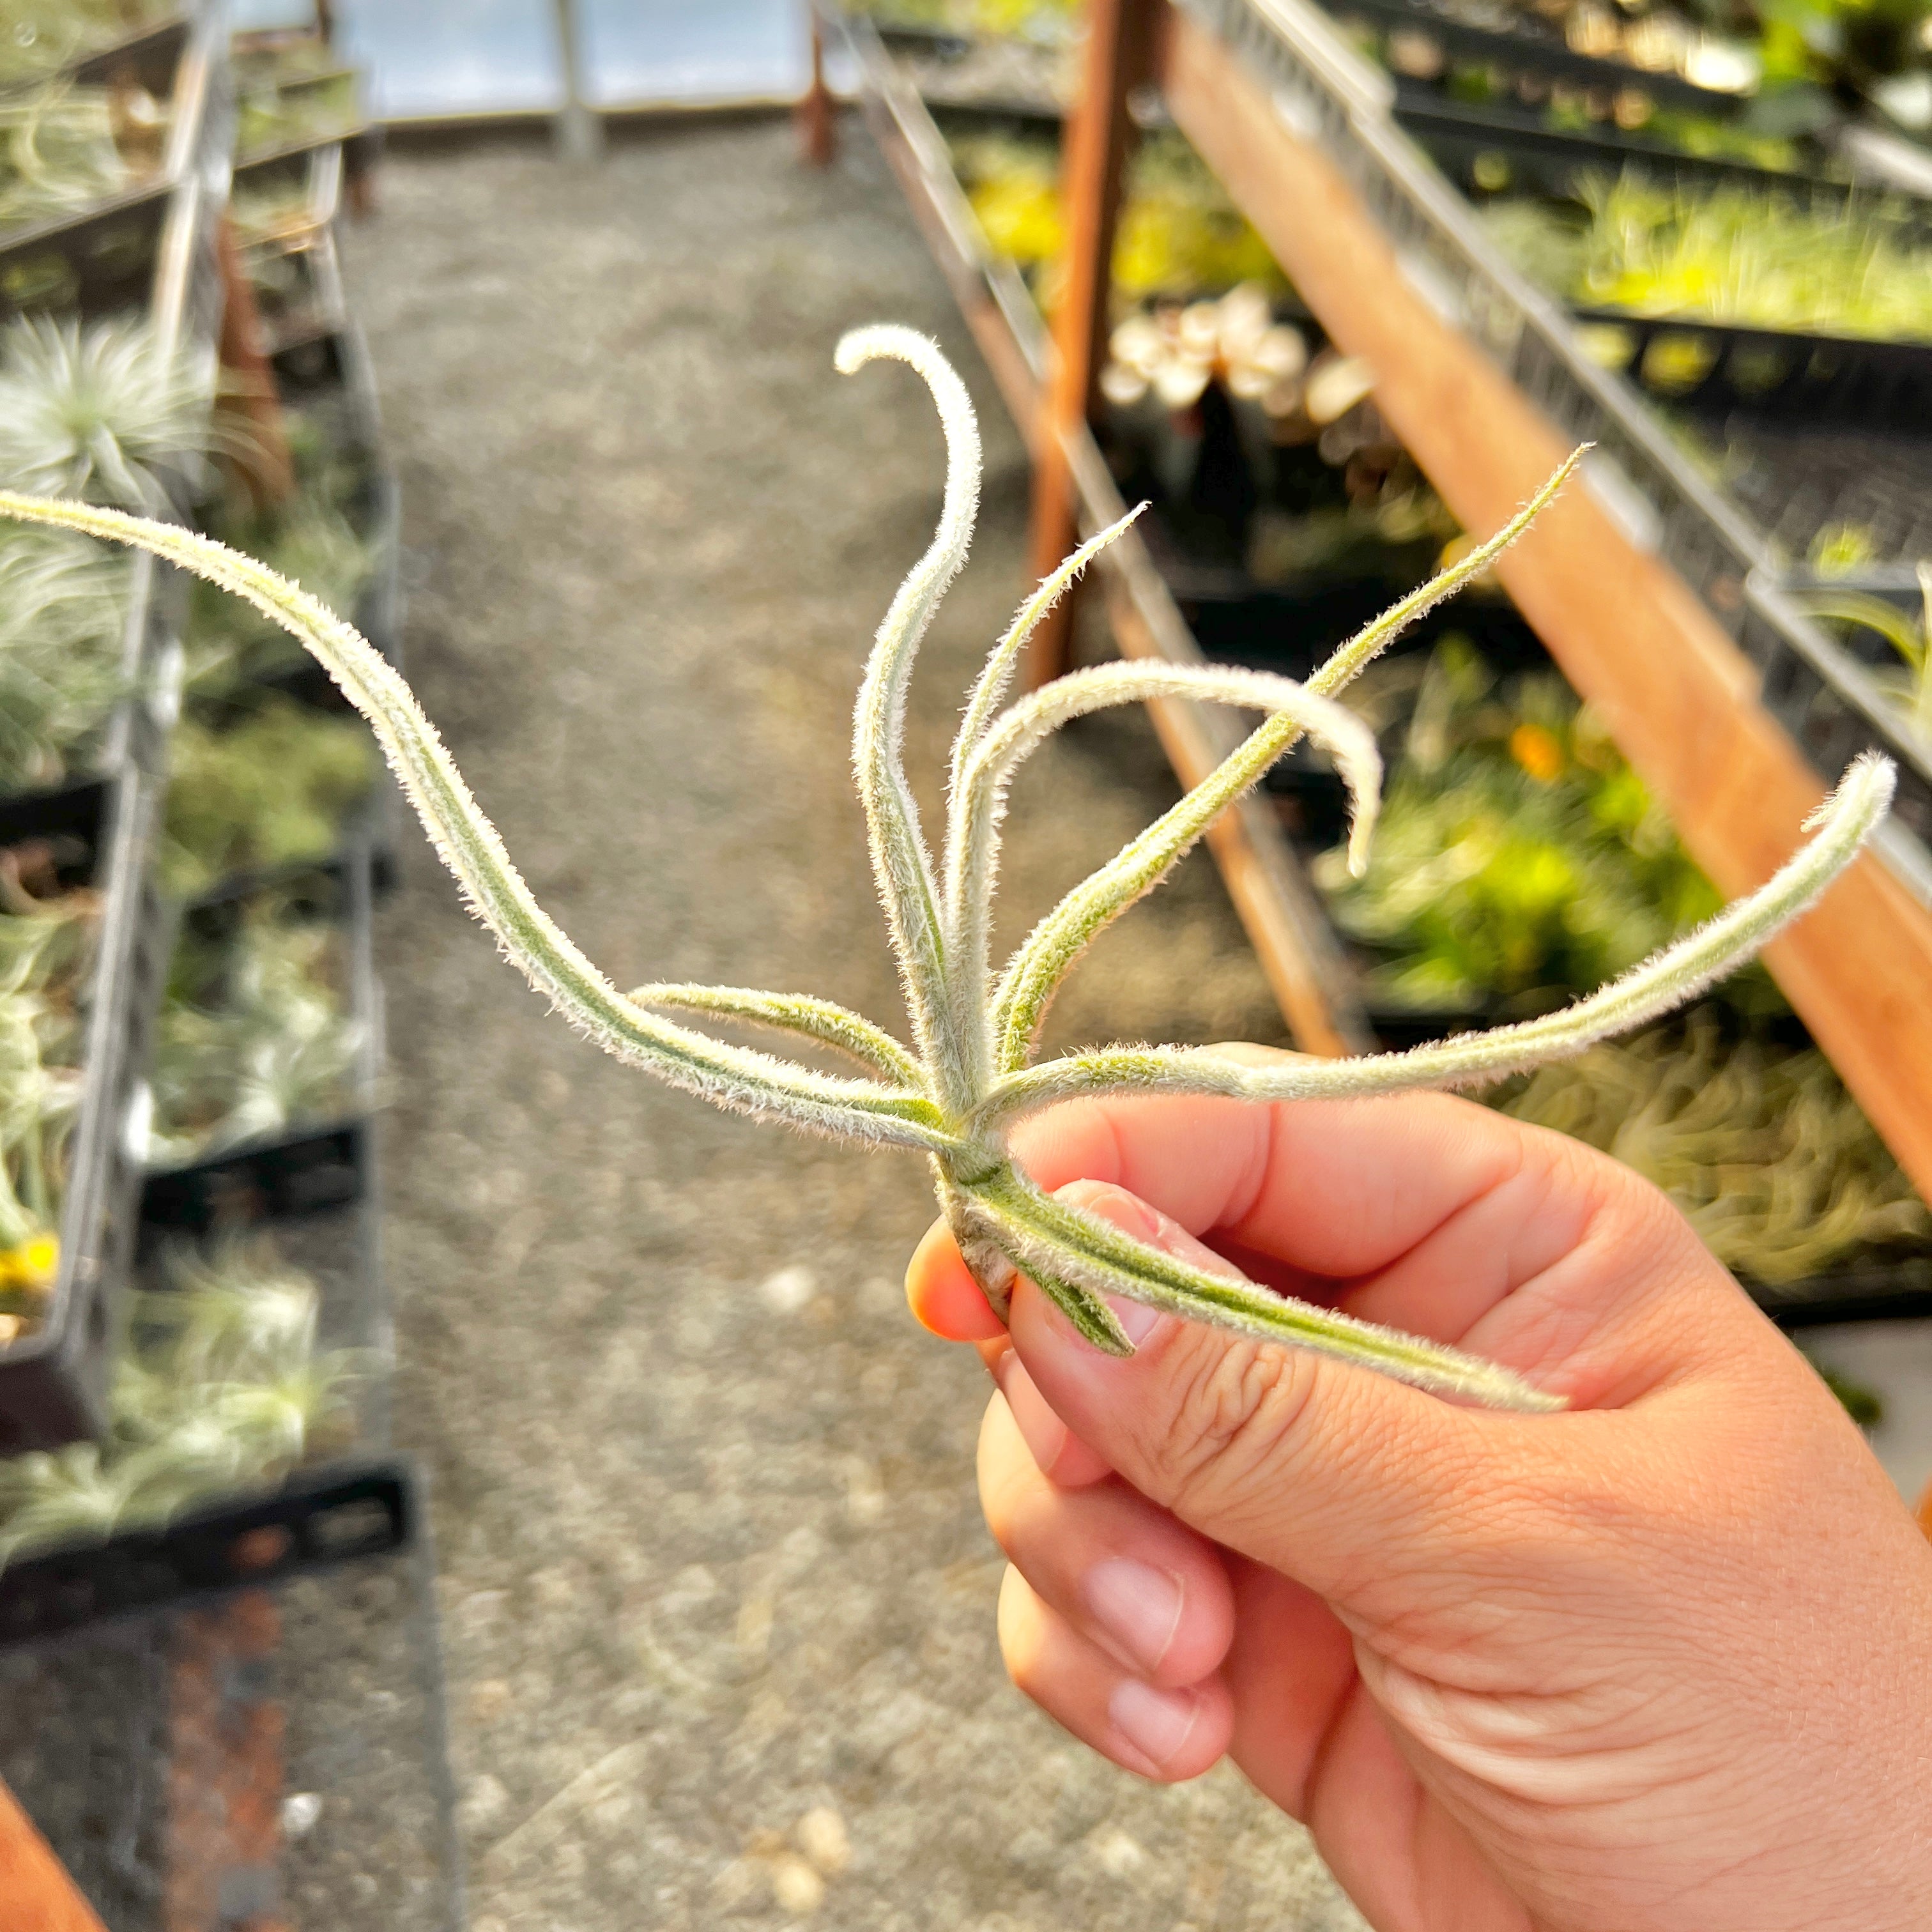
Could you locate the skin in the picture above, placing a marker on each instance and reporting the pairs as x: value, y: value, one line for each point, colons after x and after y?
x: 1662, y: 1663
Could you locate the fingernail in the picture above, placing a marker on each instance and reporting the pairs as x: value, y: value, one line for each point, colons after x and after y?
x: 1043, y: 1433
x: 1136, y: 1318
x: 1136, y: 1605
x: 1156, y: 1723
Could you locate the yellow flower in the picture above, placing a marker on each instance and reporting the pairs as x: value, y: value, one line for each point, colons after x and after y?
x: 34, y: 1263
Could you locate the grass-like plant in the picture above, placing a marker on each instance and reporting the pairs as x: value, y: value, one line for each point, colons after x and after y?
x: 1909, y: 686
x: 970, y: 1074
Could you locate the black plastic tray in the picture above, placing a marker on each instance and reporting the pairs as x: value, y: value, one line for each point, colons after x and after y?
x: 316, y: 1519
x: 1529, y: 47
x: 53, y: 1380
x: 310, y: 1167
x: 1459, y: 135
x: 1781, y: 372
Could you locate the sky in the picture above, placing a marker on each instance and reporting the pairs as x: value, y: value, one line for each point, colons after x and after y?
x: 459, y: 56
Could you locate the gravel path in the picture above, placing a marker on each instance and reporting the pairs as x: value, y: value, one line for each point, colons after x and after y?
x: 712, y: 1564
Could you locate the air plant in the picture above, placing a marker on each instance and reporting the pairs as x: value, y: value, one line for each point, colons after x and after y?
x: 61, y: 148
x: 270, y: 788
x: 1770, y: 1159
x: 63, y: 606
x: 971, y: 1076
x: 45, y: 948
x: 107, y: 412
x: 222, y: 1387
x: 253, y: 1035
x: 41, y: 36
x: 272, y: 115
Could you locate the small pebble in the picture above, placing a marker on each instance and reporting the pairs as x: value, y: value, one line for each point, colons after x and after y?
x: 821, y: 1836
x: 786, y: 1292
x: 797, y: 1888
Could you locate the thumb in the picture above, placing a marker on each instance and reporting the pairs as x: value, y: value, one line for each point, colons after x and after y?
x: 1326, y: 1472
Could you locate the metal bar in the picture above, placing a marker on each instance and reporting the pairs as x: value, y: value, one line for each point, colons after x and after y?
x: 580, y: 133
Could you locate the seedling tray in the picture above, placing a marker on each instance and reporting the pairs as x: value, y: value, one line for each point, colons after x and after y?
x: 310, y: 1167
x: 53, y: 1379
x: 106, y: 258
x: 150, y: 54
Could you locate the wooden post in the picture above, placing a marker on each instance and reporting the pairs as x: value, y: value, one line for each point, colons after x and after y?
x: 34, y: 1887
x: 1118, y: 56
x: 325, y: 21
x: 268, y: 468
x: 817, y: 126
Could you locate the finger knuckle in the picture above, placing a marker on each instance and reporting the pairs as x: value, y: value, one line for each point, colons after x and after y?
x: 1238, y: 1410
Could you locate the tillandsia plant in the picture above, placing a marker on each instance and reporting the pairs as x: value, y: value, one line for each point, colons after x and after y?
x: 970, y: 1076
x: 108, y: 412
x: 222, y: 1387
x: 254, y: 1034
x: 45, y: 943
x: 1909, y: 685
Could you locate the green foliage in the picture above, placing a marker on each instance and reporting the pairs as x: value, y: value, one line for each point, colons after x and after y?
x: 1518, y: 858
x: 221, y: 1388
x: 254, y: 1035
x: 267, y: 789
x: 1847, y: 267
x: 970, y: 1072
x: 1771, y: 1161
x: 1179, y: 234
x: 273, y: 113
x: 58, y: 153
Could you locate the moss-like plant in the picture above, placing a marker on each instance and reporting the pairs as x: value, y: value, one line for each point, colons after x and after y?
x: 970, y: 1076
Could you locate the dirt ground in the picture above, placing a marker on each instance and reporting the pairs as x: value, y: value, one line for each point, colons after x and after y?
x: 711, y: 1559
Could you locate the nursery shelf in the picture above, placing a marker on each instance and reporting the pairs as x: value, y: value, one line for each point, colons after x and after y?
x: 53, y: 1382
x: 1661, y: 601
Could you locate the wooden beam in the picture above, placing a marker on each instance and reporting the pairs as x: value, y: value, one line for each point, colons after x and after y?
x: 1677, y: 694
x: 265, y: 463
x: 1118, y: 55
x: 817, y: 126
x: 39, y: 1896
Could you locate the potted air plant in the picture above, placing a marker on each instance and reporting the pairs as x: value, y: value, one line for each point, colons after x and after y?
x: 971, y: 1073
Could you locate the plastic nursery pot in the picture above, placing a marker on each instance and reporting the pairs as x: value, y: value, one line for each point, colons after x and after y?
x: 54, y: 1377
x: 311, y: 1164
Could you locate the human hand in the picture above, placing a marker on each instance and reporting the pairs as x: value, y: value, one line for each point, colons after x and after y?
x: 1661, y: 1662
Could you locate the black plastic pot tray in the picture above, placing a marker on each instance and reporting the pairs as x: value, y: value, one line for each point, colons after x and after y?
x: 1543, y: 159
x: 1776, y: 371
x: 312, y: 1166
x: 53, y: 1381
x: 1530, y: 47
x: 317, y: 1519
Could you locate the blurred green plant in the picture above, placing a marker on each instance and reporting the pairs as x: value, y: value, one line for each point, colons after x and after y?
x: 1769, y: 1158
x: 221, y: 1388
x: 46, y: 941
x: 63, y: 608
x: 1519, y: 860
x: 39, y: 36
x: 1846, y: 267
x: 269, y: 789
x: 254, y: 1035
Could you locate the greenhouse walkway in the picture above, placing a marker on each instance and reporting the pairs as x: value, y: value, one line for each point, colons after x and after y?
x: 712, y: 1563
